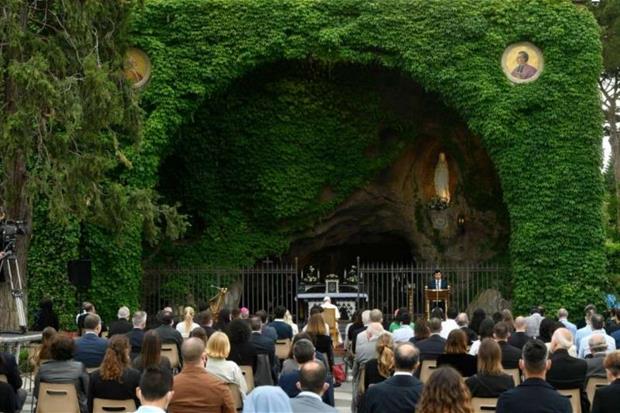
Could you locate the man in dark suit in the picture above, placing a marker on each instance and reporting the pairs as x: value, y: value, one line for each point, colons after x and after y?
x: 534, y: 395
x: 283, y: 329
x: 463, y: 322
x: 168, y: 334
x: 438, y: 283
x: 312, y: 384
x: 519, y: 338
x: 264, y: 345
x: 433, y: 346
x: 303, y: 352
x: 122, y: 324
x: 136, y: 335
x: 607, y: 399
x: 401, y: 392
x: 205, y: 320
x: 90, y: 348
x: 510, y: 354
x: 567, y: 372
x: 266, y: 329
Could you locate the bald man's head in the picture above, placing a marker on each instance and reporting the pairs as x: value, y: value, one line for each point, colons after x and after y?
x: 520, y: 324
x: 597, y: 343
x: 561, y: 339
x: 312, y: 377
x: 192, y: 350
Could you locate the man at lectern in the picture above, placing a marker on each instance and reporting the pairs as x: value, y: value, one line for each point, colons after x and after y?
x: 438, y: 282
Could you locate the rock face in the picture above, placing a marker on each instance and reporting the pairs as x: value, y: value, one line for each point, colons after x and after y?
x: 490, y: 301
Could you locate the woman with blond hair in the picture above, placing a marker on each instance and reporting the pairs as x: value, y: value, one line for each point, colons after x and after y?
x: 445, y: 392
x: 187, y: 325
x: 490, y: 381
x: 218, y: 349
x: 320, y: 338
x: 382, y: 367
x: 114, y: 380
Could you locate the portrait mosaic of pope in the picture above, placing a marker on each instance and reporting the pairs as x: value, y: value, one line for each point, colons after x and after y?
x: 522, y: 62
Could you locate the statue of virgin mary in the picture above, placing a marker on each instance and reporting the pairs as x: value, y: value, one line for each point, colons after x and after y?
x: 442, y: 179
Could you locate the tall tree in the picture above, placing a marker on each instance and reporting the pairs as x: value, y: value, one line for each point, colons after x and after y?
x: 67, y: 114
x: 607, y: 13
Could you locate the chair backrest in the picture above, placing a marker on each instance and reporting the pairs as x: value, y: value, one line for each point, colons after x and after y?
x: 574, y: 396
x: 362, y: 377
x: 594, y: 383
x: 91, y: 370
x: 283, y: 348
x: 236, y: 393
x: 171, y: 351
x: 57, y: 398
x: 426, y: 369
x: 516, y: 375
x: 111, y: 406
x: 484, y: 404
x: 3, y: 378
x: 248, y: 375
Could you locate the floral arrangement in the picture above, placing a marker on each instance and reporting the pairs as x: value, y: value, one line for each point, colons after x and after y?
x: 438, y: 204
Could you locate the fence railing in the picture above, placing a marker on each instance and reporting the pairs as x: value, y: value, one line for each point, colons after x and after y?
x: 388, y: 285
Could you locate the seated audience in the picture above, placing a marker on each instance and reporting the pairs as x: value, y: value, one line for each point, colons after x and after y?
x: 563, y: 318
x: 478, y: 317
x: 456, y: 354
x: 613, y: 322
x: 375, y: 317
x: 485, y: 331
x: 357, y: 328
x: 242, y: 351
x: 404, y: 332
x: 450, y: 323
x: 547, y: 328
x: 167, y: 334
x: 397, y: 322
x: 585, y: 330
x: 200, y: 333
x: 267, y: 399
x: 235, y: 314
x: 320, y: 338
x: 121, y: 325
x: 44, y: 354
x: 218, y: 349
x: 508, y: 319
x: 616, y: 336
x: 187, y: 325
x: 195, y: 390
x: 535, y: 394
x: 312, y: 376
x: 597, y: 323
x: 607, y: 399
x: 45, y: 316
x: 490, y: 380
x: 382, y: 367
x: 136, y: 334
x: 352, y: 330
x: 303, y: 352
x: 598, y: 347
x: 433, y: 346
x: 205, y: 320
x: 401, y: 392
x: 567, y: 372
x: 282, y: 328
x: 532, y: 322
x: 463, y: 322
x: 445, y: 392
x: 90, y: 348
x: 267, y: 364
x: 8, y: 367
x: 151, y: 353
x: 519, y: 338
x: 115, y: 380
x: 266, y: 329
x: 155, y: 390
x: 421, y: 331
x: 288, y: 319
x: 223, y: 318
x: 62, y: 369
x: 290, y: 364
x: 510, y: 354
x: 8, y: 399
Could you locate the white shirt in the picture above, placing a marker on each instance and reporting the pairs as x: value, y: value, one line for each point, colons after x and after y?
x: 402, y: 373
x: 402, y: 334
x: 584, y: 348
x: 311, y: 394
x: 447, y: 326
x: 475, y: 346
x: 149, y: 409
x: 181, y: 328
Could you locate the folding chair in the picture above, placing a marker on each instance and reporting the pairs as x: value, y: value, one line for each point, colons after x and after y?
x: 236, y: 393
x: 516, y: 375
x: 484, y: 404
x: 594, y: 383
x: 57, y: 398
x: 171, y: 351
x: 248, y: 375
x: 574, y: 396
x: 283, y: 348
x: 91, y: 370
x: 116, y: 406
x: 426, y: 369
x: 3, y: 379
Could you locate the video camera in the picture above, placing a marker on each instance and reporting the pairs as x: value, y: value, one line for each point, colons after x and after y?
x: 9, y: 230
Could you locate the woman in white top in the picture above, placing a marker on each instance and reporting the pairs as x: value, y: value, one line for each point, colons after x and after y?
x: 288, y: 319
x: 187, y: 325
x: 218, y: 348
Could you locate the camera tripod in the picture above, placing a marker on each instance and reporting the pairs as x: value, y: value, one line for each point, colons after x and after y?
x: 9, y: 261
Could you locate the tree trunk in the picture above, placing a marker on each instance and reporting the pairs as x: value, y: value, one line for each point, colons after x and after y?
x: 614, y: 141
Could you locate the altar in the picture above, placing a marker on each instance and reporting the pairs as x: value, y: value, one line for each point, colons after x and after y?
x: 347, y: 303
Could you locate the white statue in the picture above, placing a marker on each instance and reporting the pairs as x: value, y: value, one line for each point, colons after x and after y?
x: 442, y: 179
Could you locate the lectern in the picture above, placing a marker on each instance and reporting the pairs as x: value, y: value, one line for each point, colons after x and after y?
x: 432, y: 296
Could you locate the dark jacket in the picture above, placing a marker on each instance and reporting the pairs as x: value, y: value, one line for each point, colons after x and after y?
x: 112, y: 389
x: 485, y: 385
x: 595, y: 366
x: 90, y: 349
x: 120, y: 326
x: 283, y: 330
x: 167, y: 334
x: 270, y: 332
x: 518, y: 340
x: 354, y: 330
x: 288, y: 383
x: 510, y: 355
x: 431, y: 347
x: 136, y: 337
x: 8, y: 399
x: 323, y: 344
x: 443, y: 284
x: 466, y: 364
x: 8, y: 367
x: 371, y: 373
x: 533, y: 396
x: 471, y: 335
x: 264, y: 345
x: 568, y: 372
x: 244, y: 354
x: 398, y: 394
x: 164, y: 363
x: 607, y: 399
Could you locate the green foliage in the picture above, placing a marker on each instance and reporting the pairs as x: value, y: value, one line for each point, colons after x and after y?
x: 607, y: 13
x: 612, y: 250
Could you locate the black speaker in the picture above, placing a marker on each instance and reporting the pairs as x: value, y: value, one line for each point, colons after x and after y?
x: 80, y: 273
